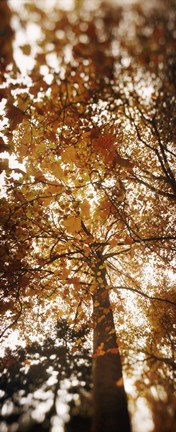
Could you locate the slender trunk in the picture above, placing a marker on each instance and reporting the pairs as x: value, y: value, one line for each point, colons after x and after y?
x: 109, y: 398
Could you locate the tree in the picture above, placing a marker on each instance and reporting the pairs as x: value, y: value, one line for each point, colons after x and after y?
x: 33, y: 371
x: 92, y: 207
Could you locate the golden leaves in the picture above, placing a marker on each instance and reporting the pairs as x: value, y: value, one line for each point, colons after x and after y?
x: 72, y: 224
x: 64, y: 272
x: 55, y: 189
x: 62, y: 140
x: 113, y: 242
x: 85, y: 209
x: 69, y: 155
x: 54, y: 168
x: 86, y: 250
x: 105, y: 209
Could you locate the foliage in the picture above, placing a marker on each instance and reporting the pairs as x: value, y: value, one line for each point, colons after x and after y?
x: 32, y: 375
x: 91, y: 209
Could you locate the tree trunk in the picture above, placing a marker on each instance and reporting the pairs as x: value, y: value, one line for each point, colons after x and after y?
x: 109, y: 397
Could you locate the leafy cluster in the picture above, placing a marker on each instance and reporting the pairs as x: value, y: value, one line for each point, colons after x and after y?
x: 89, y: 207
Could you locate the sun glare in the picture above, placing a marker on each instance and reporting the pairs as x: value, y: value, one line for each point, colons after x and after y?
x: 12, y: 341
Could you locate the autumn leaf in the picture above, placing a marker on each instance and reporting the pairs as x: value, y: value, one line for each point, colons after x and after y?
x: 26, y: 49
x: 4, y: 147
x: 85, y: 209
x: 113, y: 242
x: 74, y: 349
x: 64, y: 273
x: 104, y: 145
x: 101, y: 318
x: 119, y: 383
x: 69, y: 155
x: 14, y: 114
x: 99, y: 351
x: 123, y: 162
x: 113, y: 350
x: 72, y: 224
x: 74, y: 280
x: 55, y: 169
x: 87, y: 250
x: 128, y: 240
x: 4, y: 165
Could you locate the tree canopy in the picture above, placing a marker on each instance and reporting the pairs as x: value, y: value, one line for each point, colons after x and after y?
x: 88, y: 202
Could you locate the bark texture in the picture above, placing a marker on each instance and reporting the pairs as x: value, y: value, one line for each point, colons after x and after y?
x: 109, y: 397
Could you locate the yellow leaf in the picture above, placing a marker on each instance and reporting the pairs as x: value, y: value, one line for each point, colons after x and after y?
x: 72, y: 224
x: 64, y: 274
x: 47, y: 201
x: 85, y: 209
x: 56, y: 170
x: 100, y: 280
x: 55, y: 189
x: 69, y: 155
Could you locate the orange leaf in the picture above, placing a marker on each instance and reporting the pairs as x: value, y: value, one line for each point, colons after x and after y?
x: 100, y: 351
x: 113, y: 350
x: 74, y: 349
x: 119, y: 383
x: 128, y: 240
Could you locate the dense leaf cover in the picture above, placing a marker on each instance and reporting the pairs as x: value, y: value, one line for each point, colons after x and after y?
x: 87, y: 215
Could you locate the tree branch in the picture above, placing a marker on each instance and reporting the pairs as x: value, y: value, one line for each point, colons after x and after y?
x: 145, y: 295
